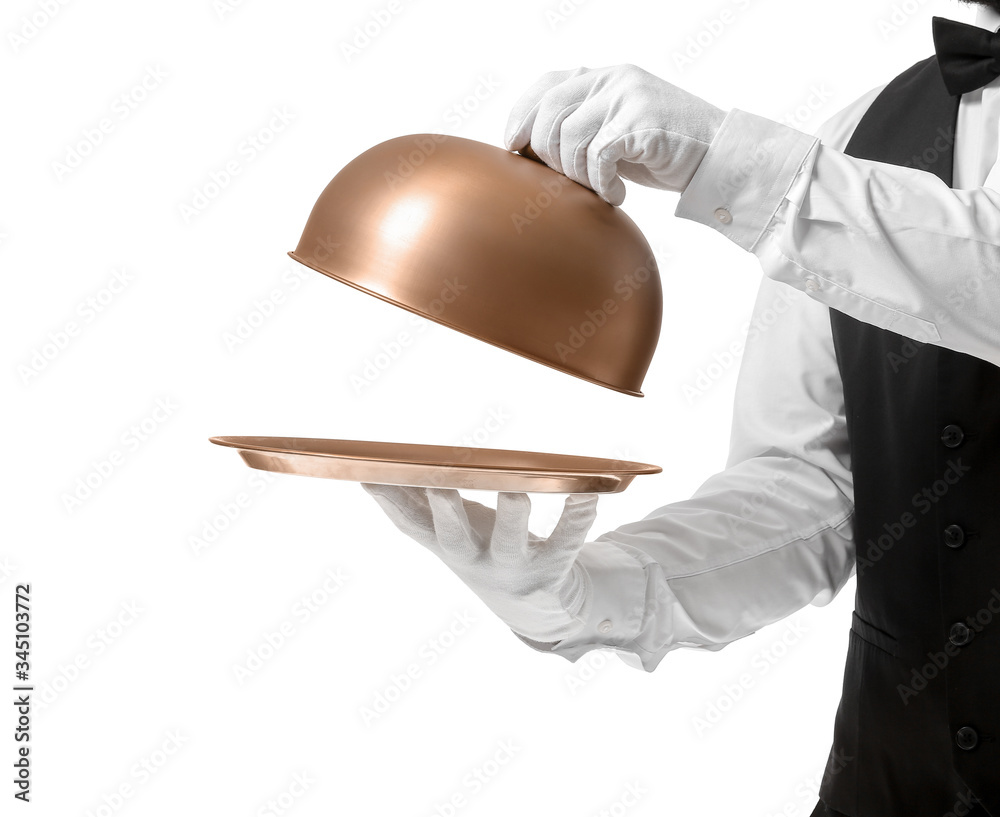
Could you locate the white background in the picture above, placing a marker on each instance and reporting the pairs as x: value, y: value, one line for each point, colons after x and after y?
x: 159, y: 685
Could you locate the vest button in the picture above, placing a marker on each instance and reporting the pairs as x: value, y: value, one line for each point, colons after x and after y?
x: 960, y: 634
x: 966, y: 738
x: 952, y: 436
x: 954, y: 536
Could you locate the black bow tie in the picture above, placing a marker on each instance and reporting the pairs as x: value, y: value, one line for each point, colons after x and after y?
x: 969, y: 56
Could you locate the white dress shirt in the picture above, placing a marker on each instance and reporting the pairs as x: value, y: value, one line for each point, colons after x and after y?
x: 887, y: 245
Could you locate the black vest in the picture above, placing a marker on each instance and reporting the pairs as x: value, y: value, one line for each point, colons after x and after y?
x: 917, y: 733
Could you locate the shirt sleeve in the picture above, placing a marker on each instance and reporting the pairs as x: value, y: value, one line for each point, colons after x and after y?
x: 890, y: 246
x: 762, y: 538
x: 757, y: 541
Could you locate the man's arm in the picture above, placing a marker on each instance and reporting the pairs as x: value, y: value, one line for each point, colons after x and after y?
x: 766, y: 536
x: 757, y: 541
x: 891, y: 246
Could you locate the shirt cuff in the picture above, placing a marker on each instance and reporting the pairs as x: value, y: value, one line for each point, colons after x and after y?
x: 613, y: 612
x: 745, y: 175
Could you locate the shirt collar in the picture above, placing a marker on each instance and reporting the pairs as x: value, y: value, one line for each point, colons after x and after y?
x: 987, y: 18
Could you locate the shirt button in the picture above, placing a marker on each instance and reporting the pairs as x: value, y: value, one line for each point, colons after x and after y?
x: 952, y: 436
x: 966, y: 738
x: 812, y: 284
x: 954, y: 536
x: 960, y: 635
x: 605, y: 626
x: 723, y: 215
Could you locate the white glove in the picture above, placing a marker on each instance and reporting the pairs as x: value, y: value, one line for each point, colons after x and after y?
x: 596, y: 125
x: 535, y: 585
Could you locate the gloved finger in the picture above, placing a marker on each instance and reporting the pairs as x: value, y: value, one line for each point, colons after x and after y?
x: 454, y: 531
x: 510, y: 531
x: 408, y: 509
x: 633, y: 155
x: 522, y: 116
x: 481, y: 517
x: 579, y: 513
x: 602, y: 169
x: 579, y: 131
x: 636, y: 172
x: 574, y: 147
x: 567, y: 102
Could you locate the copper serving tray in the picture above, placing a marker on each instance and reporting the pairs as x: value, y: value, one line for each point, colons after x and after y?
x: 436, y: 466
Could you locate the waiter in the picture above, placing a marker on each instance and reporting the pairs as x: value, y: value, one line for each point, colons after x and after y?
x: 865, y: 436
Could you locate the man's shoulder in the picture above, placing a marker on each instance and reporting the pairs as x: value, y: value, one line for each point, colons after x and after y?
x: 837, y: 130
